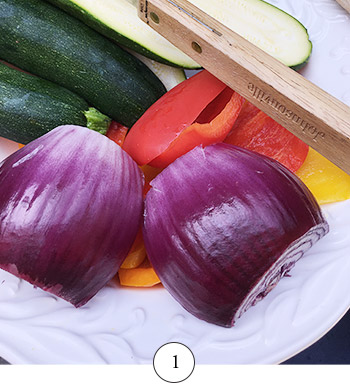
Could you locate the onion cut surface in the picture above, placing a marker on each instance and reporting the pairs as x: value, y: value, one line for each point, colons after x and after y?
x: 223, y: 224
x: 70, y: 208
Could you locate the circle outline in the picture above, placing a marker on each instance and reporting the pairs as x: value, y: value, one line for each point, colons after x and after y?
x: 174, y: 342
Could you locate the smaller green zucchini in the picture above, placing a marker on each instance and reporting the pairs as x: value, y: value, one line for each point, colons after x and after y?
x: 31, y: 106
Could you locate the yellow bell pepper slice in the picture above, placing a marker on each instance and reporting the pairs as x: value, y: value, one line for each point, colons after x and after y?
x: 326, y: 181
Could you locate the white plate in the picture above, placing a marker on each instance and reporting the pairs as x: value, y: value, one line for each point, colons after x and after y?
x: 123, y: 325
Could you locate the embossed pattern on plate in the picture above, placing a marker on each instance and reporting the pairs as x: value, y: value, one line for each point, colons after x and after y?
x: 123, y: 326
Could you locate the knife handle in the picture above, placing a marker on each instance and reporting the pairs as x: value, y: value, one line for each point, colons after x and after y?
x: 316, y: 117
x: 345, y: 4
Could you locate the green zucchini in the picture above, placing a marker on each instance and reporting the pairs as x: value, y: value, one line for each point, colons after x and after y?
x: 265, y: 25
x: 118, y: 20
x: 268, y: 27
x: 46, y: 41
x: 31, y: 106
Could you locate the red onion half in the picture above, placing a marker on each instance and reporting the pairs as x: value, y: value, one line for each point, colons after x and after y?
x: 222, y: 226
x: 70, y: 208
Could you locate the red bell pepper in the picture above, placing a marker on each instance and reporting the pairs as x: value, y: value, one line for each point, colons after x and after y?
x: 117, y: 133
x: 256, y: 131
x: 199, y: 111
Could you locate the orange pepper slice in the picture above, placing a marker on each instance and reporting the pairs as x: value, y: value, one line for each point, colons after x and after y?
x: 150, y: 173
x: 137, y: 253
x: 142, y: 276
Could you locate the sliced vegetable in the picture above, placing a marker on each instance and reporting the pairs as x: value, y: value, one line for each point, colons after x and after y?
x: 118, y: 21
x: 44, y: 40
x: 149, y: 173
x: 117, y: 133
x: 31, y: 106
x: 223, y: 224
x: 200, y: 110
x: 268, y: 27
x: 142, y: 276
x: 247, y: 113
x: 212, y: 126
x: 137, y: 253
x: 326, y: 181
x: 57, y: 229
x: 256, y: 131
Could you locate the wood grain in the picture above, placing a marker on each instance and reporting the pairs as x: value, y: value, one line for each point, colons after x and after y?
x: 307, y: 111
x: 345, y: 4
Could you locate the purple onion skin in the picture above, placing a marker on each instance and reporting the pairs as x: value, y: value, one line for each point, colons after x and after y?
x: 70, y: 208
x: 222, y: 225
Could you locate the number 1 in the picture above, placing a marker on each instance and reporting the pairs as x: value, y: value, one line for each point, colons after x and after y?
x: 175, y: 356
